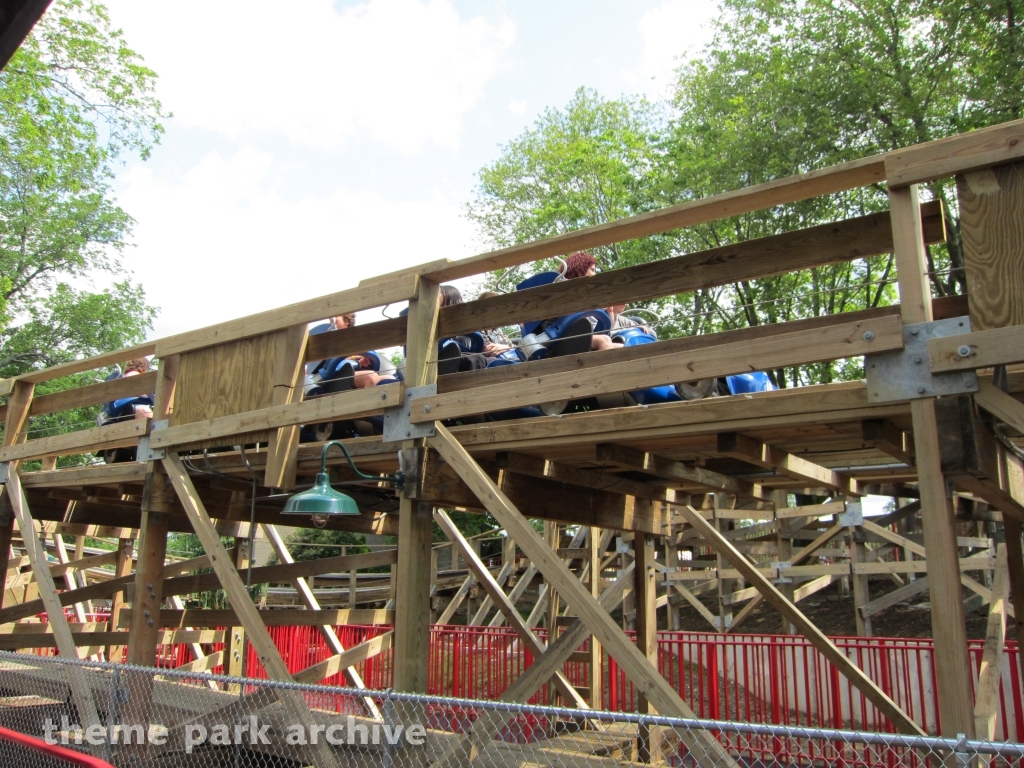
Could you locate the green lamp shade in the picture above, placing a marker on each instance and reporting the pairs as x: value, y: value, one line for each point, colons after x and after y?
x: 321, y: 499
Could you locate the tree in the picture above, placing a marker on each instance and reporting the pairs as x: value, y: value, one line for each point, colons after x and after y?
x: 75, y: 101
x: 316, y: 544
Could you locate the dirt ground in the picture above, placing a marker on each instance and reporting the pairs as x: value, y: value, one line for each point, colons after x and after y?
x: 833, y: 613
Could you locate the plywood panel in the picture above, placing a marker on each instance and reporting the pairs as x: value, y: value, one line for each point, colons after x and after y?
x: 992, y: 216
x: 226, y: 379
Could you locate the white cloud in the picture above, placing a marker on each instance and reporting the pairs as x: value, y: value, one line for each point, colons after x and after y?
x: 671, y: 32
x: 399, y: 72
x: 223, y: 242
x: 517, y: 107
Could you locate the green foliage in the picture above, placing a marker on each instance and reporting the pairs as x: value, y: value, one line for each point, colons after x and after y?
x: 786, y: 87
x: 75, y: 102
x: 188, y: 546
x: 317, y: 543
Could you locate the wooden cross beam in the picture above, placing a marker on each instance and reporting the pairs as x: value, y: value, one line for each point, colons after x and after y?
x: 903, y: 722
x: 705, y: 748
x: 248, y: 616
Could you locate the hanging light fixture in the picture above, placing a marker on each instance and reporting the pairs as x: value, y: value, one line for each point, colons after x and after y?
x: 322, y: 501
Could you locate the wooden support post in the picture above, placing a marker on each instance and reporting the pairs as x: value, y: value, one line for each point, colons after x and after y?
x: 1015, y: 566
x: 784, y: 550
x: 18, y: 405
x: 986, y: 706
x: 149, y: 571
x: 125, y: 550
x: 725, y: 586
x: 553, y: 536
x: 861, y: 588
x: 645, y: 592
x: 952, y: 660
x: 289, y: 368
x: 595, y: 678
x: 706, y: 750
x: 415, y: 522
x: 236, y: 647
x: 353, y: 588
x: 248, y: 616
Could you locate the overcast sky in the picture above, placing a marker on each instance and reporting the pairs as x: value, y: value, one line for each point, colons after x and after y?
x: 313, y: 148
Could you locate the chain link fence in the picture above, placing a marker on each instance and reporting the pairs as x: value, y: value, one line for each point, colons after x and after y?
x: 124, y: 716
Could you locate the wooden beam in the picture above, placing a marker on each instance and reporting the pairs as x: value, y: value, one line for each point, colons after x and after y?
x: 889, y: 439
x: 289, y: 370
x: 91, y: 394
x: 81, y: 688
x: 509, y: 611
x: 763, y: 455
x: 705, y: 748
x: 1015, y: 566
x: 900, y: 719
x: 271, y: 617
x: 948, y: 628
x: 997, y: 346
x: 87, y: 364
x: 1001, y: 405
x: 986, y: 706
x: 373, y: 294
x: 645, y: 597
x: 358, y: 402
x: 345, y: 660
x: 954, y: 155
x: 895, y: 597
x: 149, y: 573
x: 118, y: 435
x: 667, y: 469
x: 415, y: 523
x: 657, y: 368
x: 243, y: 607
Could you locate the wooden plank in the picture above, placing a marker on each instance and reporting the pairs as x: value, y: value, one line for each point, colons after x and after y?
x: 811, y: 587
x: 991, y: 211
x: 122, y: 569
x: 777, y: 254
x: 377, y: 294
x: 1001, y: 405
x: 247, y: 614
x: 895, y: 597
x: 811, y: 510
x: 81, y: 690
x: 636, y: 354
x: 127, y: 386
x: 900, y: 719
x: 888, y: 438
x: 957, y: 154
x: 986, y: 707
x: 530, y: 465
x: 101, y: 474
x: 763, y: 455
x: 706, y: 750
x: 272, y: 617
x: 997, y: 346
x: 202, y: 663
x: 359, y: 402
x: 691, y: 598
x: 118, y: 435
x: 645, y: 595
x: 948, y: 628
x: 509, y: 611
x: 93, y: 561
x: 289, y: 370
x: 345, y: 660
x: 781, y: 350
x: 88, y: 364
x: 649, y: 463
x: 779, y: 192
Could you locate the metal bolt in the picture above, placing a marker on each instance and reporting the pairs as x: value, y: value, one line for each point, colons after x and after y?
x: 914, y: 331
x: 426, y: 409
x: 921, y: 390
x: 917, y: 359
x: 146, y: 614
x: 869, y: 335
x: 408, y: 434
x: 149, y: 586
x: 149, y: 622
x: 964, y: 350
x: 383, y: 395
x: 968, y: 382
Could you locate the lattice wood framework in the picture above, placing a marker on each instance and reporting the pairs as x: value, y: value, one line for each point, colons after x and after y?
x: 663, y: 482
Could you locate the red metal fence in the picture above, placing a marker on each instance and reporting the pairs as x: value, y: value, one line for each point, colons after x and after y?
x: 776, y: 679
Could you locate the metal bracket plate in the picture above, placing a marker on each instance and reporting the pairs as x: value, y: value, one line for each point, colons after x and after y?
x: 5, y: 472
x: 906, y: 374
x: 144, y: 452
x: 854, y: 515
x: 397, y: 425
